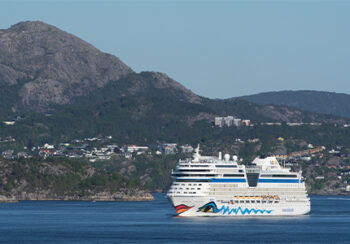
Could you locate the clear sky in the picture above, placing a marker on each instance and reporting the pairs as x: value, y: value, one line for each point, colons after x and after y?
x: 216, y: 49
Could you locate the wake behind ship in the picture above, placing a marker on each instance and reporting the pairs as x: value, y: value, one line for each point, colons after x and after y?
x: 212, y: 186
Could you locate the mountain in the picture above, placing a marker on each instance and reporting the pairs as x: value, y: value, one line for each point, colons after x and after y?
x: 314, y: 101
x: 63, y: 88
x: 45, y: 65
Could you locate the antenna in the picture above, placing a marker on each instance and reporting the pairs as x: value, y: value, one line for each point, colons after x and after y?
x: 196, y: 155
x: 197, y: 150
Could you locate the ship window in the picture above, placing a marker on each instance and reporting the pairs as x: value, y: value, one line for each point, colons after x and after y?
x: 241, y: 201
x: 280, y: 176
x: 225, y: 166
x: 257, y: 201
x: 253, y: 201
x: 236, y: 201
x: 194, y: 170
x: 189, y: 175
x: 246, y: 201
x: 198, y: 188
x: 233, y: 175
x: 270, y: 201
x: 240, y: 171
x: 199, y: 184
x: 263, y: 201
x: 191, y: 180
x: 192, y: 175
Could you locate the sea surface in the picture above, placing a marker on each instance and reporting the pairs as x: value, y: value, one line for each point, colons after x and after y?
x: 155, y: 222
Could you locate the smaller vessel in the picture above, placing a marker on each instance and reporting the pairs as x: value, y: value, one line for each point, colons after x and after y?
x: 216, y: 186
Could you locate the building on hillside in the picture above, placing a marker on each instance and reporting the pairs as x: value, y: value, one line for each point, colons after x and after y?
x: 8, y: 139
x: 8, y: 154
x: 9, y: 122
x: 231, y: 121
x: 271, y: 123
x: 254, y: 140
x: 228, y: 121
x: 134, y: 148
x: 237, y: 122
x: 246, y: 122
x: 168, y: 148
x: 22, y: 155
x: 186, y: 149
x: 319, y: 177
x: 48, y: 146
x: 219, y: 121
x: 294, y: 124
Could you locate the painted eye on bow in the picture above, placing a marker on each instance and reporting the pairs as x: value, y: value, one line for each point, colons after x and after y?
x: 182, y: 208
x: 209, y: 207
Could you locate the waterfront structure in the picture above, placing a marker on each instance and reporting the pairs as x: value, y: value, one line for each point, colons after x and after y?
x: 216, y: 186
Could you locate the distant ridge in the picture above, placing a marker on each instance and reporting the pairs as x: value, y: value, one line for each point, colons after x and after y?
x: 307, y: 100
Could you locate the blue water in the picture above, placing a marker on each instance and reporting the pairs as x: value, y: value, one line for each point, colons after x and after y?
x: 154, y: 222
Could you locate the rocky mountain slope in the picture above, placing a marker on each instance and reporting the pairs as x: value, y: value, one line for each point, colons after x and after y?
x: 48, y: 65
x: 313, y: 101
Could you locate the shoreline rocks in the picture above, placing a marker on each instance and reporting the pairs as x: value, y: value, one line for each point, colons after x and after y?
x: 4, y: 199
x: 135, y: 196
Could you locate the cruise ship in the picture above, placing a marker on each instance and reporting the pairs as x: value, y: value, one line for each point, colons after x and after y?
x: 219, y: 186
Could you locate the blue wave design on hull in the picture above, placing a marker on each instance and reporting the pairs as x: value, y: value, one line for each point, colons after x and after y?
x: 243, y: 212
x: 211, y: 207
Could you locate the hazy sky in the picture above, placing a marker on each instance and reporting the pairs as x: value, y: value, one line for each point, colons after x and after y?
x: 216, y: 49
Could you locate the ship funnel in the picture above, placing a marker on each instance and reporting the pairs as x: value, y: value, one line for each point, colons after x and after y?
x: 227, y: 157
x: 220, y: 156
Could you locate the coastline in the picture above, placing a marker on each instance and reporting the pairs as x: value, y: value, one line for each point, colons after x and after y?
x: 139, y: 196
x: 146, y: 197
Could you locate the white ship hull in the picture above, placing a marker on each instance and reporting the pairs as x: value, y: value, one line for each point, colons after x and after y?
x: 206, y: 206
x: 210, y: 186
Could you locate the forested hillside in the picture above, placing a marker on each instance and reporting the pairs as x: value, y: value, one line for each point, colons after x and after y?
x: 313, y: 101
